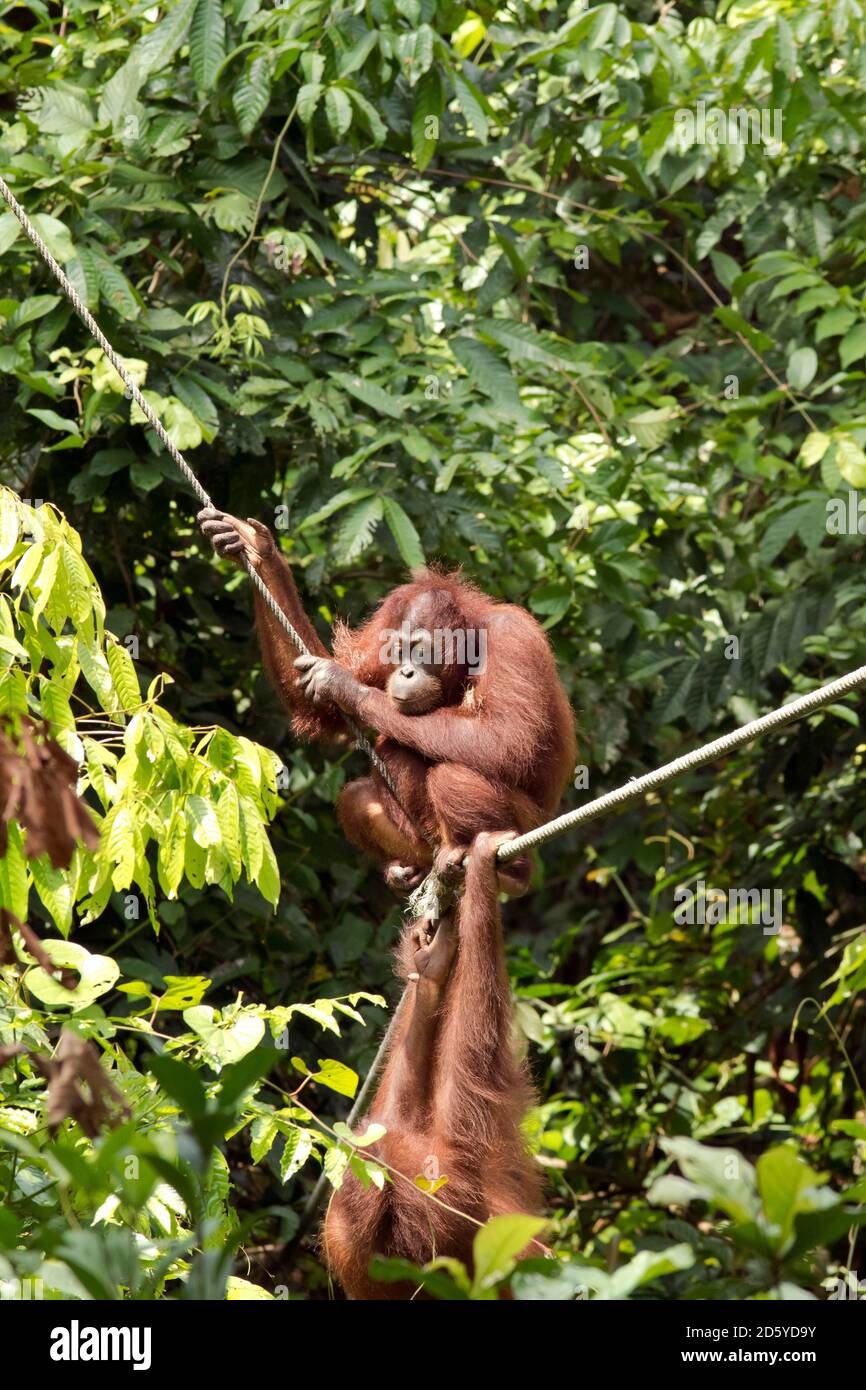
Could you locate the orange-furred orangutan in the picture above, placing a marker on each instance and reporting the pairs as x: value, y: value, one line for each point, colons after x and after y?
x: 463, y: 693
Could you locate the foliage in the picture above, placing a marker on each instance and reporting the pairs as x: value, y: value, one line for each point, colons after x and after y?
x: 417, y: 280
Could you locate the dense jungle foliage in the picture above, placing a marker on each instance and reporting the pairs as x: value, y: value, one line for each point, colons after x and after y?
x: 490, y: 287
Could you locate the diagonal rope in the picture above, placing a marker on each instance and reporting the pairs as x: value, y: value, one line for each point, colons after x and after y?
x: 637, y: 787
x: 81, y: 309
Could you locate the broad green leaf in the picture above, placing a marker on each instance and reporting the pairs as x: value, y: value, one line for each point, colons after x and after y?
x: 369, y: 116
x: 853, y: 345
x: 252, y: 93
x: 489, y: 373
x: 427, y: 105
x: 56, y: 236
x: 405, y: 535
x: 498, y: 1245
x: 338, y: 109
x: 802, y: 366
x: 340, y: 500
x: 337, y: 1077
x: 123, y: 675
x: 814, y: 448
x: 852, y: 461
x: 115, y: 288
x: 13, y: 874
x: 356, y: 529
x: 10, y: 228
x: 171, y: 853
x: 54, y: 421
x: 242, y: 1291
x: 308, y: 100
x: 372, y: 395
x: 268, y: 877
x: 297, y: 1149
x: 36, y: 307
x: 225, y: 1040
x: 468, y: 99
x: 207, y: 42
x: 97, y: 975
x: 159, y: 45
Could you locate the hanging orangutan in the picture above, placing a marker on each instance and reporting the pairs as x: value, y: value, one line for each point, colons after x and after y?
x: 451, y: 1099
x: 472, y: 721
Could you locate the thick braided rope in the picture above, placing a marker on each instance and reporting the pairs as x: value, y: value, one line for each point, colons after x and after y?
x: 639, y: 786
x: 81, y: 309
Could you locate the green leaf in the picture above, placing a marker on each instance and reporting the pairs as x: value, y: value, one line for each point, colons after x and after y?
x: 652, y: 427
x: 123, y: 676
x: 783, y: 1179
x: 469, y: 101
x: 34, y: 308
x: 253, y: 92
x: 242, y: 1291
x: 13, y: 874
x: 120, y: 93
x: 357, y: 527
x: 115, y: 288
x: 406, y: 537
x: 427, y: 106
x: 371, y: 394
x: 335, y: 504
x: 357, y: 55
x: 498, y: 1245
x: 80, y: 589
x: 369, y: 116
x: 297, y: 1149
x: 337, y: 1077
x: 225, y: 1040
x: 308, y: 100
x: 183, y: 428
x: 815, y: 446
x: 489, y: 372
x: 851, y: 460
x: 853, y: 345
x: 338, y: 109
x: 10, y: 229
x: 834, y: 323
x: 207, y: 42
x: 54, y: 421
x: 56, y: 236
x: 97, y: 975
x: 335, y: 1165
x: 760, y: 341
x: 802, y: 366
x: 164, y: 39
x: 171, y: 854
x: 268, y: 877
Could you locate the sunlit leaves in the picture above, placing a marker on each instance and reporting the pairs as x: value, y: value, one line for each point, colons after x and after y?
x: 165, y: 802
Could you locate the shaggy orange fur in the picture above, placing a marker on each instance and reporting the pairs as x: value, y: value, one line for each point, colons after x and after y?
x: 451, y: 1098
x: 496, y: 754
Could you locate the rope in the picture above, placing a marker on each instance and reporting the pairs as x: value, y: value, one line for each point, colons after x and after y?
x: 81, y: 309
x: 637, y: 787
